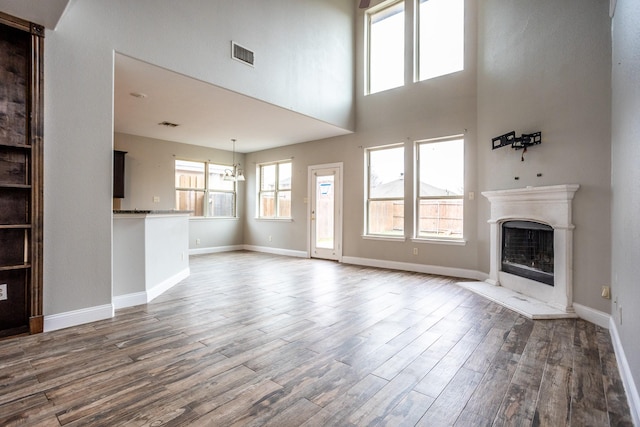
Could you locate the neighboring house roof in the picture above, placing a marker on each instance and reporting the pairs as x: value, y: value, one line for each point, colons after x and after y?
x: 393, y: 188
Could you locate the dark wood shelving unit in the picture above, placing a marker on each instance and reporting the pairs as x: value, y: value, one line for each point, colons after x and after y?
x: 21, y: 131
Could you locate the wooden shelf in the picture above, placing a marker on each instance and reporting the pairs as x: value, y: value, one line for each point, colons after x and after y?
x: 15, y: 267
x: 16, y: 186
x: 4, y: 144
x: 14, y: 226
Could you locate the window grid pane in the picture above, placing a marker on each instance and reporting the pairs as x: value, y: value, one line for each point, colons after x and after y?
x: 189, y: 174
x: 386, y: 217
x: 441, y: 37
x: 268, y: 177
x: 221, y: 204
x: 267, y: 204
x: 190, y: 200
x: 440, y: 218
x: 386, y: 48
x: 216, y: 178
x: 284, y: 176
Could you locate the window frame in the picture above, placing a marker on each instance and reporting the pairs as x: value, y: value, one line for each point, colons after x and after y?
x: 277, y: 191
x: 387, y: 5
x: 207, y: 190
x: 417, y: 236
x: 368, y: 199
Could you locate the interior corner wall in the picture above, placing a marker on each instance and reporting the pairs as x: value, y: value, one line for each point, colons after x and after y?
x: 546, y: 66
x: 193, y: 39
x: 625, y: 179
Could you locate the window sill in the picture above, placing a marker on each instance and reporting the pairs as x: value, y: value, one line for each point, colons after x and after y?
x: 214, y: 218
x: 440, y: 241
x: 384, y: 238
x: 274, y: 219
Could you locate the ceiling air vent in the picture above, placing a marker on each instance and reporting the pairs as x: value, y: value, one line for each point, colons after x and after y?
x: 168, y: 124
x: 241, y: 54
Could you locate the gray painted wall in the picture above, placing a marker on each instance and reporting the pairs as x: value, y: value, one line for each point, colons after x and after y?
x: 626, y: 179
x: 546, y: 66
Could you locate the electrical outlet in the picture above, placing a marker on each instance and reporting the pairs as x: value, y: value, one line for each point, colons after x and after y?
x: 415, y: 251
x: 197, y: 241
x: 3, y: 292
x: 156, y: 199
x: 270, y: 238
x: 472, y: 195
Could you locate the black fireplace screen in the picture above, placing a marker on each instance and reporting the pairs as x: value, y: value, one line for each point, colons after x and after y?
x: 527, y: 250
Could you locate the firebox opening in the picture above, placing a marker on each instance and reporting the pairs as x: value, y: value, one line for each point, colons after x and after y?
x: 527, y: 250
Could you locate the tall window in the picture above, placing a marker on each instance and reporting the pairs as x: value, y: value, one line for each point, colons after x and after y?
x: 201, y: 188
x: 385, y: 44
x: 385, y: 191
x: 440, y: 37
x: 440, y: 188
x: 274, y: 190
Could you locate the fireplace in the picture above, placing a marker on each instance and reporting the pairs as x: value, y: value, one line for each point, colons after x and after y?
x: 539, y: 220
x: 527, y: 250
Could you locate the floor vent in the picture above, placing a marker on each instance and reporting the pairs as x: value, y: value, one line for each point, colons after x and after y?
x: 241, y: 54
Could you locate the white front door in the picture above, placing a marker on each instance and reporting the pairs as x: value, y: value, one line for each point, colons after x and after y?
x: 325, y: 219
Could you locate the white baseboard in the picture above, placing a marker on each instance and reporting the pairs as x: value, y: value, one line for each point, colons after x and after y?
x: 77, y: 317
x: 167, y: 284
x: 625, y: 372
x: 592, y: 315
x: 276, y: 251
x: 215, y: 249
x: 418, y: 268
x: 129, y: 300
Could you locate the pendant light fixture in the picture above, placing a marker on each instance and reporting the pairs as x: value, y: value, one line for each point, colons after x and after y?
x: 236, y: 173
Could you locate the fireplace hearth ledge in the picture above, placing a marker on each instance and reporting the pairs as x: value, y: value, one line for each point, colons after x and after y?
x: 518, y: 302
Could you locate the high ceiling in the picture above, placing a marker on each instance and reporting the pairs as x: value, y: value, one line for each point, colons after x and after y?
x: 207, y: 115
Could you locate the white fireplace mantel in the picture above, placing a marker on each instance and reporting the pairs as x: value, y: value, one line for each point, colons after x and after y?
x: 549, y: 205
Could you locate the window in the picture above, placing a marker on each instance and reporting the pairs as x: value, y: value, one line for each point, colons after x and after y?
x: 440, y: 37
x: 194, y: 186
x: 385, y: 191
x: 440, y: 188
x: 385, y: 47
x: 274, y: 188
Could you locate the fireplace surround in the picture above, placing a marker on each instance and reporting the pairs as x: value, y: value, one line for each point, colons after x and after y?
x: 549, y: 206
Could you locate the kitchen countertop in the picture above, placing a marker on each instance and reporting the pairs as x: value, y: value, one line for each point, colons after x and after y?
x: 151, y: 212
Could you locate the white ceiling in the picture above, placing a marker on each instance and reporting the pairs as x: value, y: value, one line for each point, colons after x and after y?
x: 207, y: 115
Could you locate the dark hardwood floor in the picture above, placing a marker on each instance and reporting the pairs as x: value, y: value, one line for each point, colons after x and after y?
x: 255, y: 339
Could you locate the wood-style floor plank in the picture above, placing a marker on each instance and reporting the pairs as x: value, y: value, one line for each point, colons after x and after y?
x: 252, y: 339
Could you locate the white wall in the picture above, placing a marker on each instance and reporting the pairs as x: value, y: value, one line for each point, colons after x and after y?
x: 625, y: 182
x: 193, y: 39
